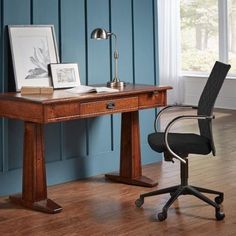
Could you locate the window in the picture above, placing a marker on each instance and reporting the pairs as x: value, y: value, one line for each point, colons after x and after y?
x: 208, y: 33
x: 232, y: 34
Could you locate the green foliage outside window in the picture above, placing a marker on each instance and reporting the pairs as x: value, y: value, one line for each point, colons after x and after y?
x: 200, y: 34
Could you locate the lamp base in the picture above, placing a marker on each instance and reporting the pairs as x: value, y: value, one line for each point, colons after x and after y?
x: 116, y: 84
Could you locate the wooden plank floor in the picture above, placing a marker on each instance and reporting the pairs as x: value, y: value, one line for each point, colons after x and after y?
x: 98, y: 207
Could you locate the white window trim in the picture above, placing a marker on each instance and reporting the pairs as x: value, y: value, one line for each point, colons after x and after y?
x: 204, y: 76
x: 223, y: 30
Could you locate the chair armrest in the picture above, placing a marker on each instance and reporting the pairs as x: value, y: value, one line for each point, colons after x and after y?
x: 171, y: 123
x: 168, y: 108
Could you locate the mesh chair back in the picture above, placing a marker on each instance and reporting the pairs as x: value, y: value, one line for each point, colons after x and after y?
x: 208, y: 98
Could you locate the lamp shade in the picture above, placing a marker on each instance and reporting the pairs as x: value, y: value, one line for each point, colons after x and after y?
x: 99, y: 33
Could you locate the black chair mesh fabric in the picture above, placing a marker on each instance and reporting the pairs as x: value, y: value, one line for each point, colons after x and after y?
x: 209, y: 95
x: 183, y: 143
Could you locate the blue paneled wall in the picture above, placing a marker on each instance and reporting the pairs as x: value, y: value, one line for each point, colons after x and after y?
x: 81, y: 148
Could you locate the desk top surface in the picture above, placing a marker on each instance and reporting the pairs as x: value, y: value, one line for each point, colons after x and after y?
x: 62, y: 95
x: 63, y: 105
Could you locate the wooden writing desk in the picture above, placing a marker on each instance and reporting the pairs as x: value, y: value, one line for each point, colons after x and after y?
x: 37, y: 110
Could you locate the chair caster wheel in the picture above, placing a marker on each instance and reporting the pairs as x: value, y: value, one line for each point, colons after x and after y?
x: 162, y: 216
x: 219, y: 199
x: 220, y: 215
x: 139, y: 202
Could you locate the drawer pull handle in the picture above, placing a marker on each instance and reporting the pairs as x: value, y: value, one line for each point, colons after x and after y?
x: 110, y: 105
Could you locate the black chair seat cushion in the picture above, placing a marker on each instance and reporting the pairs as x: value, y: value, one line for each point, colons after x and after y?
x: 180, y: 143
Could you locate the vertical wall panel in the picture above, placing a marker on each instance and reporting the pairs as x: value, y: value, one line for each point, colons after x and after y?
x: 74, y: 139
x: 73, y: 33
x: 1, y: 85
x: 98, y: 50
x: 68, y: 154
x: 15, y: 144
x: 144, y: 41
x: 98, y: 72
x: 121, y: 25
x: 1, y: 45
x: 15, y: 12
x: 46, y: 12
x: 144, y: 59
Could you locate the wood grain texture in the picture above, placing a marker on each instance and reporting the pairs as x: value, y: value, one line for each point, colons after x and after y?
x: 130, y: 153
x: 95, y: 207
x: 60, y: 107
x: 34, y: 189
x: 108, y: 106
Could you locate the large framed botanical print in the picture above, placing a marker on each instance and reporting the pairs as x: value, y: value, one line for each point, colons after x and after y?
x: 33, y: 48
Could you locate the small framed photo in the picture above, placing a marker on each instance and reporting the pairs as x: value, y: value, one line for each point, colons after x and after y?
x: 33, y: 48
x: 65, y: 75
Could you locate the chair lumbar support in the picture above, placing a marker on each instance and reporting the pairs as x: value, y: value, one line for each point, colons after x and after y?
x: 183, y: 189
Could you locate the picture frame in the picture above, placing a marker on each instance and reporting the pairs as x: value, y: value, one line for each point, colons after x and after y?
x: 65, y: 75
x: 33, y: 48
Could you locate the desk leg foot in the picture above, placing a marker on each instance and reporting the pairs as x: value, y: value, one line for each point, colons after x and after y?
x: 139, y: 181
x: 46, y: 205
x: 130, y: 153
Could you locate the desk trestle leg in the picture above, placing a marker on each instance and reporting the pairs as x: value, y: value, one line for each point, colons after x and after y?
x: 130, y: 154
x: 34, y: 189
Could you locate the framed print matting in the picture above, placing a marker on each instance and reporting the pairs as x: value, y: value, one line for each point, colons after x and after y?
x: 33, y: 48
x: 65, y: 75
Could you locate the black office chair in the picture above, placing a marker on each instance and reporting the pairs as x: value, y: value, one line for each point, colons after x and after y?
x: 180, y: 145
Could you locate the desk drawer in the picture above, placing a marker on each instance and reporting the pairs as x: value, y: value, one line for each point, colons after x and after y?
x: 62, y: 111
x: 108, y: 106
x: 152, y: 99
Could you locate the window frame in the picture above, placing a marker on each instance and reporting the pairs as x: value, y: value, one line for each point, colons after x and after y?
x: 223, y: 30
x: 223, y: 41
